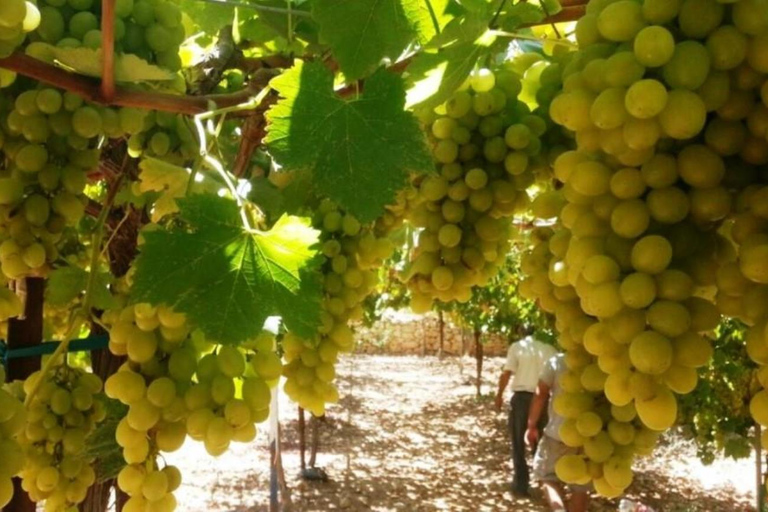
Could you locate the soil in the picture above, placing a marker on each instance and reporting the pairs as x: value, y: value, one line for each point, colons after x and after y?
x: 410, y: 434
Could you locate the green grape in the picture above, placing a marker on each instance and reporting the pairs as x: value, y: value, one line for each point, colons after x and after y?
x: 621, y: 20
x: 646, y: 99
x: 684, y: 115
x: 26, y: 103
x: 482, y: 80
x: 727, y: 47
x: 167, y: 14
x: 52, y: 25
x: 36, y: 129
x: 160, y: 144
x: 81, y: 23
x: 159, y: 38
x: 31, y: 158
x: 697, y: 18
x: 72, y: 101
x: 230, y: 361
x: 654, y: 46
x: 608, y: 110
x: 92, y: 39
x: 86, y: 122
x: 49, y: 101
x: 689, y: 66
x: 161, y: 392
x: 661, y: 12
x: 12, y: 13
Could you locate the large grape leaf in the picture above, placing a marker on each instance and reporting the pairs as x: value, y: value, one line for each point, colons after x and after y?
x: 359, y: 151
x: 362, y: 33
x: 227, y: 279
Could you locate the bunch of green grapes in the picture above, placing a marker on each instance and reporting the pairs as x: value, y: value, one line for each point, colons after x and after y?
x: 49, y: 145
x: 12, y: 423
x: 61, y: 415
x: 17, y: 19
x: 218, y: 414
x: 177, y: 384
x: 487, y: 145
x: 352, y: 252
x: 656, y: 230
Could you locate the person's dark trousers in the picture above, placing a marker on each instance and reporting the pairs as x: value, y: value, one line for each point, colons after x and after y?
x: 518, y: 422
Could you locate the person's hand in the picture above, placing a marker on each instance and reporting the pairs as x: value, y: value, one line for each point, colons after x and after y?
x: 531, y: 436
x: 498, y: 402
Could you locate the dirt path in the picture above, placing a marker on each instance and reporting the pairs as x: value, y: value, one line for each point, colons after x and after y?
x: 409, y: 435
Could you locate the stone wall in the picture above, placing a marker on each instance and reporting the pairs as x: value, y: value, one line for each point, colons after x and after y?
x: 403, y: 333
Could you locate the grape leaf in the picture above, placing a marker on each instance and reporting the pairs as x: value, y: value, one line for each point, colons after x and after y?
x: 362, y: 33
x: 360, y: 151
x: 168, y: 179
x: 87, y: 61
x: 65, y: 284
x: 227, y: 279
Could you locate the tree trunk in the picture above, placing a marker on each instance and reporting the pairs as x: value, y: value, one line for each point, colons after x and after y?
x: 479, y: 360
x: 25, y: 331
x: 441, y: 323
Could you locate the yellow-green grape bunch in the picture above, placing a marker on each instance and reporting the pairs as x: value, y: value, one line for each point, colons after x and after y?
x: 63, y: 412
x: 149, y: 489
x: 17, y: 19
x: 49, y: 143
x: 486, y: 144
x: 352, y: 253
x: 218, y: 414
x: 665, y: 101
x: 12, y: 425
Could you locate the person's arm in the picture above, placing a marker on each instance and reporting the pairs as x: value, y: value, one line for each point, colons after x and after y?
x: 539, y: 403
x: 503, y: 381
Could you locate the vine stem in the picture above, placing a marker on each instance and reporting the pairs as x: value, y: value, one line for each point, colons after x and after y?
x: 90, y: 90
x: 108, y: 49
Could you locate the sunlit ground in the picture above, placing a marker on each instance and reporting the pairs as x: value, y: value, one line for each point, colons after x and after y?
x: 409, y: 435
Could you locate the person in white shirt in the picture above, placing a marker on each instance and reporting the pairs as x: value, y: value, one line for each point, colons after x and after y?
x: 525, y: 360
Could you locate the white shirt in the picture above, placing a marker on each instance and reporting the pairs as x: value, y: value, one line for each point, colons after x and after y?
x: 525, y: 359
